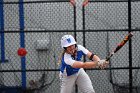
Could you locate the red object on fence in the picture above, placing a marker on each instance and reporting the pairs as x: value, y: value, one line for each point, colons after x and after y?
x: 21, y: 52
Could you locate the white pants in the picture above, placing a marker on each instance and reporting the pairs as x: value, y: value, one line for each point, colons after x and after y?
x: 81, y: 79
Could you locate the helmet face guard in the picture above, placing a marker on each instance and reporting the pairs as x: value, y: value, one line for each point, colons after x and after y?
x: 67, y: 40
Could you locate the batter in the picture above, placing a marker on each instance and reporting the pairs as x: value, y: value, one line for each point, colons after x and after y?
x: 71, y: 66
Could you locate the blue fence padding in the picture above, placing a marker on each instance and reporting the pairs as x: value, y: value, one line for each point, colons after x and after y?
x: 0, y: 46
x: 2, y: 32
x: 22, y: 42
x: 11, y: 90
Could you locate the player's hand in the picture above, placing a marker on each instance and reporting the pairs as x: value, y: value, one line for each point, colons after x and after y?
x: 103, y: 63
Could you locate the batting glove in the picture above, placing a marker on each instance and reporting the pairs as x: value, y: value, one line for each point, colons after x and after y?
x: 102, y: 63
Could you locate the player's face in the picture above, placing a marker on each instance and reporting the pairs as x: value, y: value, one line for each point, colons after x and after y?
x: 71, y: 49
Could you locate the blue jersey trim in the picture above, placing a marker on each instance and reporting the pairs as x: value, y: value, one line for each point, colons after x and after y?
x: 69, y: 69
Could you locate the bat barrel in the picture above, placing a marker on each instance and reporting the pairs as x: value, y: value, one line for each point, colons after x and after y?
x: 120, y: 45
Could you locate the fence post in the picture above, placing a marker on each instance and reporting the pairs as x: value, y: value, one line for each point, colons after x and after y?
x: 2, y: 32
x: 22, y: 42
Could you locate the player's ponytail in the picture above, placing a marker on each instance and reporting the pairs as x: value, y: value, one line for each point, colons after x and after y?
x: 60, y: 57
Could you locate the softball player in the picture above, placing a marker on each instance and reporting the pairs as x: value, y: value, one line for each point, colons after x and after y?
x: 71, y: 67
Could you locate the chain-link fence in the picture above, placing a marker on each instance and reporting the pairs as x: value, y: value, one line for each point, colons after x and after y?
x: 38, y: 25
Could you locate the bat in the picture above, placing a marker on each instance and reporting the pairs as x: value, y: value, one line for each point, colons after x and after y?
x: 120, y: 45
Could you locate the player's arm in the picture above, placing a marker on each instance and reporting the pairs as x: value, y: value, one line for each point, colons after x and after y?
x: 79, y: 64
x: 92, y: 56
x: 96, y: 62
x: 92, y: 64
x: 101, y: 63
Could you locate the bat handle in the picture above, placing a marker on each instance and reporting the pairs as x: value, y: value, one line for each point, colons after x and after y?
x: 108, y: 58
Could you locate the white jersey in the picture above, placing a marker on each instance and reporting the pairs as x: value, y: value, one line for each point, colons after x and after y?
x: 68, y: 60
